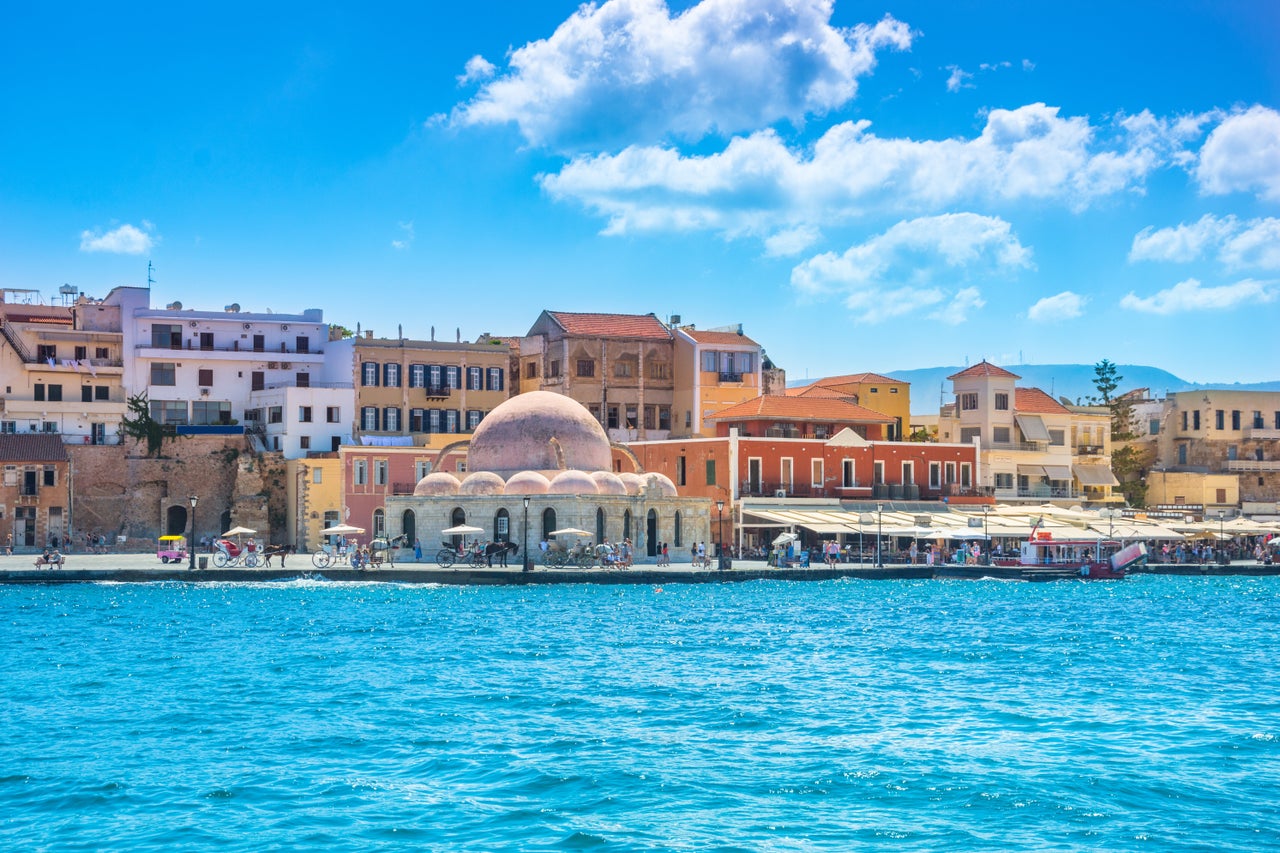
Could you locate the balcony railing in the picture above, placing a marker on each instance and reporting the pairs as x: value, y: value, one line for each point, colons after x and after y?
x: 194, y: 346
x: 402, y: 488
x: 1040, y: 491
x: 1257, y: 433
x: 730, y: 377
x: 1024, y: 446
x: 1251, y: 465
x: 1089, y: 449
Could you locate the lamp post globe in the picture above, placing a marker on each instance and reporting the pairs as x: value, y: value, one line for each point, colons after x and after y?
x: 191, y: 545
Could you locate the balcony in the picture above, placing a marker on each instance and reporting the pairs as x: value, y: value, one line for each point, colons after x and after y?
x: 402, y: 488
x: 1021, y: 446
x: 730, y: 377
x: 436, y: 392
x: 1233, y: 465
x: 1049, y: 492
x: 1090, y: 450
x: 1259, y: 433
x: 149, y: 349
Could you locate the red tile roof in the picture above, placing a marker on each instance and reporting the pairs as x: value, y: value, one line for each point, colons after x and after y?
x: 18, y: 313
x: 1033, y: 401
x: 646, y: 326
x: 983, y: 368
x: 725, y: 338
x: 858, y: 377
x: 818, y: 391
x: 800, y: 408
x: 32, y: 448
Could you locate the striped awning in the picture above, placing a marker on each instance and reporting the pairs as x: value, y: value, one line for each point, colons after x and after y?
x: 1095, y: 475
x: 1032, y: 427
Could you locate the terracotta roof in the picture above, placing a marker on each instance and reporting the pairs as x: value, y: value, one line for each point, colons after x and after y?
x: 818, y: 391
x: 17, y: 313
x: 983, y: 368
x: 857, y: 377
x: 32, y: 448
x: 1035, y: 401
x: 726, y: 338
x: 800, y: 408
x: 646, y: 326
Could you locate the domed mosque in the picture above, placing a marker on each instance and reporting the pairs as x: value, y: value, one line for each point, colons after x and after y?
x: 542, y: 456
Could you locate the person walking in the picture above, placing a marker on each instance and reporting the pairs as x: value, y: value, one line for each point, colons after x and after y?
x: 417, y: 550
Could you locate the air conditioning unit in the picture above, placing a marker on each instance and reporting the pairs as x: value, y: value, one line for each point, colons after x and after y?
x: 193, y: 324
x: 779, y: 493
x: 246, y: 325
x: 285, y: 365
x: 272, y: 365
x: 284, y: 327
x: 204, y: 392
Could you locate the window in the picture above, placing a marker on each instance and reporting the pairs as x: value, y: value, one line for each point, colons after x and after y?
x: 1000, y: 435
x: 623, y: 369
x: 450, y: 420
x: 421, y: 468
x: 612, y: 417
x: 380, y: 472
x: 304, y: 414
x: 369, y: 418
x: 1057, y: 437
x: 302, y: 343
x: 908, y: 473
x: 46, y: 352
x: 893, y: 390
x: 968, y: 434
x: 475, y: 379
x: 586, y: 367
x: 210, y: 413
x: 304, y: 442
x: 435, y: 374
x: 846, y: 474
x: 205, y: 377
x: 1235, y: 420
x: 966, y: 474
x: 37, y: 393
x: 360, y: 472
x: 969, y: 402
x: 206, y: 340
x: 81, y: 353
x: 815, y: 473
x: 51, y: 476
x: 275, y: 415
x: 333, y: 414
x: 709, y: 361
x: 1004, y: 482
x: 659, y: 370
x: 169, y: 411
x: 165, y: 336
x: 317, y: 475
x: 452, y: 376
x: 1184, y: 420
x: 55, y: 393
x: 688, y: 419
x: 553, y: 369
x: 86, y: 393
x: 417, y: 376
x: 302, y: 380
x: 417, y: 421
x: 391, y: 375
x: 949, y: 472
x: 433, y: 421
x: 252, y: 415
x: 681, y: 461
x: 369, y: 373
x: 164, y: 373
x: 473, y: 419
x: 935, y: 475
x: 259, y: 343
x: 664, y: 417
x: 1195, y: 420
x: 102, y: 352
x: 531, y: 370
x: 1002, y: 401
x: 49, y: 427
x: 257, y: 380
x: 1153, y: 427
x: 878, y: 473
x: 1257, y: 420
x: 391, y: 419
x: 8, y: 427
x: 1219, y: 419
x: 650, y: 416
x: 875, y: 390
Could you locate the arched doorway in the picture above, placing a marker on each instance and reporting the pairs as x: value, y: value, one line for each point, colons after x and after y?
x: 457, y: 517
x: 409, y: 527
x: 651, y: 534
x: 175, y: 523
x: 599, y: 525
x: 502, y: 526
x: 675, y: 531
x: 626, y: 524
x: 225, y: 522
x: 548, y: 522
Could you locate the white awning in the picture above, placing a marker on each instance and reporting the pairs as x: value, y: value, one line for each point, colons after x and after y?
x: 1032, y: 427
x: 1095, y: 475
x: 1031, y: 471
x: 1058, y: 472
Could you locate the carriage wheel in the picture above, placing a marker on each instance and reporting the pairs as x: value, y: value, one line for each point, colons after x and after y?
x: 445, y: 557
x: 321, y: 559
x: 220, y: 559
x: 586, y: 561
x: 250, y: 560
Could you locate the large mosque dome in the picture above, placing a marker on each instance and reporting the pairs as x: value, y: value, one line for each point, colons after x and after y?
x: 539, y: 431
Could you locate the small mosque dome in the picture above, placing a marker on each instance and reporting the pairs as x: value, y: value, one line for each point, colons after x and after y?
x: 539, y: 431
x: 573, y: 483
x: 482, y: 483
x: 527, y: 483
x: 436, y: 483
x: 633, y: 482
x: 609, y: 483
x: 663, y: 482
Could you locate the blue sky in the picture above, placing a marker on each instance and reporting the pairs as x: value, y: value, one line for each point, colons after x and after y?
x: 865, y: 186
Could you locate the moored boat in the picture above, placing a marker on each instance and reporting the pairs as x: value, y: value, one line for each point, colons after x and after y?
x: 1042, y: 557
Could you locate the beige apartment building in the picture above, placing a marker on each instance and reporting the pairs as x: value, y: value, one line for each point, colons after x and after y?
x: 1033, y: 449
x: 715, y: 369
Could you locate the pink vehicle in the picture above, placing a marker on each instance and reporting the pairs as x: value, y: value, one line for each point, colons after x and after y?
x: 172, y: 549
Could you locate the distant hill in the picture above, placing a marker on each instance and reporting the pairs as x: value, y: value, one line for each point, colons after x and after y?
x: 929, y: 385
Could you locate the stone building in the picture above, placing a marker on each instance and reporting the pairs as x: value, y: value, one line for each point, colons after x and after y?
x: 35, y: 493
x: 541, y: 462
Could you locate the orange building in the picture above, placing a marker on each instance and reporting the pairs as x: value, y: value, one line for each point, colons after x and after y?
x: 714, y: 370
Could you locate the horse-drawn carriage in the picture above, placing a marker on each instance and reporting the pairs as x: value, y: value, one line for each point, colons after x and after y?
x: 475, y: 555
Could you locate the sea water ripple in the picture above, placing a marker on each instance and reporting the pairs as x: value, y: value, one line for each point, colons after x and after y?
x: 757, y: 716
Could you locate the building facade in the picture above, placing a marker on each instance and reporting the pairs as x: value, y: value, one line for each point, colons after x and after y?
x: 890, y: 397
x: 35, y: 491
x: 714, y: 370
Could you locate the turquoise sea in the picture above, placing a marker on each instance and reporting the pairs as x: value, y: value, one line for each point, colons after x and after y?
x: 931, y: 715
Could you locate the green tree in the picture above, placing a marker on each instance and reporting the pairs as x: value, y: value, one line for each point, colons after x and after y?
x: 342, y: 331
x: 1106, y: 378
x: 139, y: 425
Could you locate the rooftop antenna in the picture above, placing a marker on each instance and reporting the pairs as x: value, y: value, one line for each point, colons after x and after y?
x: 433, y: 333
x: 400, y: 331
x: 150, y: 280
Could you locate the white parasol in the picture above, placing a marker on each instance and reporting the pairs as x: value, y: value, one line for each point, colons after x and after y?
x: 569, y: 531
x: 461, y: 529
x: 341, y: 530
x: 239, y: 531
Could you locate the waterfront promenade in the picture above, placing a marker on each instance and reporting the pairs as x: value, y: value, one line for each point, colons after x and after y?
x: 146, y: 568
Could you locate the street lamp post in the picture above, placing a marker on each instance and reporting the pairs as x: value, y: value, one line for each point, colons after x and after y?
x: 1222, y: 514
x: 528, y: 562
x: 720, y: 534
x: 191, y: 546
x: 986, y: 545
x: 879, y: 534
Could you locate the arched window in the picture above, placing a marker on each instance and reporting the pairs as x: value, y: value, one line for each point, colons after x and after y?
x: 548, y: 522
x: 409, y: 527
x: 457, y: 517
x: 626, y: 524
x: 651, y: 533
x: 502, y: 526
x: 599, y: 525
x: 379, y: 523
x: 176, y: 521
x: 675, y: 531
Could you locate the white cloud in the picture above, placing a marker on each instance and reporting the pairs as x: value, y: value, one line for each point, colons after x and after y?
x: 1242, y: 154
x: 957, y: 80
x: 1247, y: 244
x: 896, y: 272
x: 966, y: 301
x: 477, y: 68
x: 626, y: 69
x: 407, y: 240
x: 125, y: 240
x: 758, y: 185
x: 1064, y: 306
x: 791, y: 241
x: 1190, y: 295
